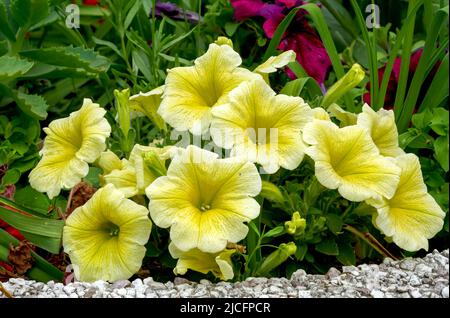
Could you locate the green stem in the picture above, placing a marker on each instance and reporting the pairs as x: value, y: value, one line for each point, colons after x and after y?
x: 372, y: 241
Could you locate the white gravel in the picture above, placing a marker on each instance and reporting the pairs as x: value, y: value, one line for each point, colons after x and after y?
x: 409, y: 278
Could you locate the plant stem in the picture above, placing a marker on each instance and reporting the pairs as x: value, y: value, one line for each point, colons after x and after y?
x: 372, y: 241
x: 5, y: 292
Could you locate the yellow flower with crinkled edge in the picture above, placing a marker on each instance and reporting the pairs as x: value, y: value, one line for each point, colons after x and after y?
x: 105, y: 237
x: 274, y: 63
x: 191, y: 92
x: 148, y: 104
x: 411, y: 216
x: 71, y: 144
x: 135, y: 174
x: 347, y: 159
x: 217, y: 263
x: 320, y: 114
x: 383, y: 130
x: 262, y: 126
x: 205, y: 200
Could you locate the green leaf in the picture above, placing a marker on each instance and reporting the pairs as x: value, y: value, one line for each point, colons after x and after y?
x: 45, y: 233
x: 423, y: 119
x: 11, y: 177
x: 277, y: 231
x: 32, y: 199
x: 328, y: 247
x: 231, y: 27
x: 301, y: 251
x: 252, y: 225
x: 32, y: 105
x: 74, y: 57
x: 21, y: 11
x: 440, y: 121
x: 334, y: 223
x: 297, y: 86
x: 6, y: 28
x: 441, y: 151
x: 346, y: 254
x: 93, y: 177
x: 12, y: 67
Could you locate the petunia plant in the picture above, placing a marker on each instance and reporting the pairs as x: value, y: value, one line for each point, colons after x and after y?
x: 226, y: 204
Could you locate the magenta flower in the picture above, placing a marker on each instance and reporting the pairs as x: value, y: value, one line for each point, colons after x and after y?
x: 300, y: 36
x: 391, y: 92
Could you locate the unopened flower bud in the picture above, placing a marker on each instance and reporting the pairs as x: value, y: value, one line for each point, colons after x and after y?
x: 350, y: 80
x: 222, y: 40
x: 123, y: 110
x: 153, y: 162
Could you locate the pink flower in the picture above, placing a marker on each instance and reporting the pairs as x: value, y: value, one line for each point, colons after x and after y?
x: 391, y: 92
x: 300, y: 36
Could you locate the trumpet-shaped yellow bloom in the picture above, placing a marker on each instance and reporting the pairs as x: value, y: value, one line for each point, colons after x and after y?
x: 148, y: 104
x: 217, y: 263
x: 135, y: 174
x: 262, y: 126
x: 109, y: 161
x: 411, y: 216
x: 105, y: 238
x: 71, y: 144
x: 347, y: 159
x: 383, y: 130
x: 274, y: 63
x: 205, y: 200
x: 191, y: 92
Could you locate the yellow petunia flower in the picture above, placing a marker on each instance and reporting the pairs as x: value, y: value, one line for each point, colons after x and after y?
x: 274, y: 63
x: 217, y: 263
x: 347, y: 159
x: 205, y: 200
x: 136, y: 174
x: 320, y: 114
x: 109, y: 161
x: 262, y: 126
x: 383, y: 130
x: 148, y: 105
x: 411, y: 216
x: 71, y: 144
x: 191, y: 92
x: 105, y: 238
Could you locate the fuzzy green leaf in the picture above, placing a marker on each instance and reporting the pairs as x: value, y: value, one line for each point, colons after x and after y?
x: 73, y: 57
x: 334, y: 223
x: 346, y: 254
x: 32, y: 105
x: 12, y: 67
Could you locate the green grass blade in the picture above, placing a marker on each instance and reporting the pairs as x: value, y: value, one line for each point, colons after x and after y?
x: 372, y: 54
x: 393, y: 56
x: 406, y: 59
x: 15, y: 206
x: 406, y: 111
x: 277, y: 36
x: 439, y: 87
x: 52, y: 272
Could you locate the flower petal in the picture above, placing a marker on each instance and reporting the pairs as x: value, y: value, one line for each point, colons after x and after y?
x: 411, y: 216
x: 383, y: 130
x: 347, y: 159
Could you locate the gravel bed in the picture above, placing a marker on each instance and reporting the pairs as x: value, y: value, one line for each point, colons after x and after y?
x: 410, y: 278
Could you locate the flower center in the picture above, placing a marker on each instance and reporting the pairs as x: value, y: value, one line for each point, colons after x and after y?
x: 205, y: 207
x: 114, y: 230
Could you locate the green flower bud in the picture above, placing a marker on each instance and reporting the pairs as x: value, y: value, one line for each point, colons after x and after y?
x: 222, y: 40
x: 271, y: 192
x: 296, y: 225
x: 123, y: 110
x: 277, y: 257
x: 350, y: 80
x: 155, y: 165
